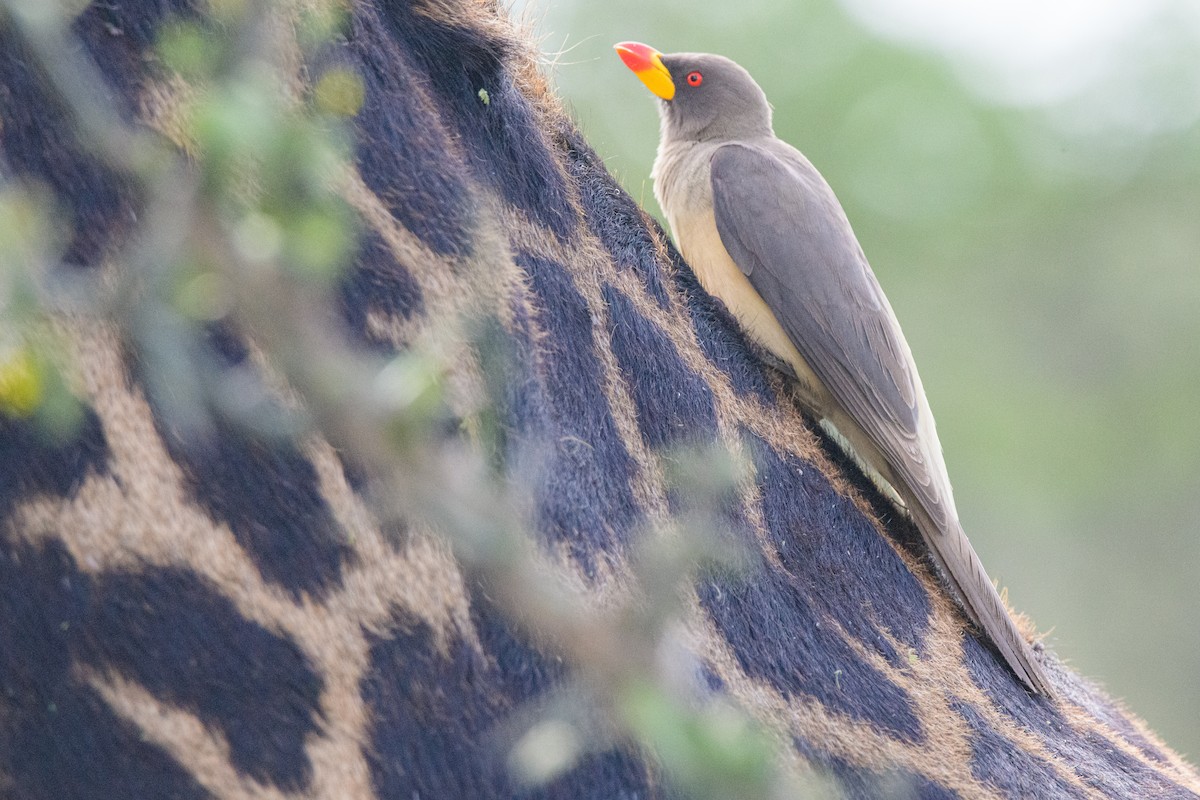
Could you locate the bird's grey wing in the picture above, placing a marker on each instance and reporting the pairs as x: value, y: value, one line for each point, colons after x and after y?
x: 782, y: 225
x: 785, y: 229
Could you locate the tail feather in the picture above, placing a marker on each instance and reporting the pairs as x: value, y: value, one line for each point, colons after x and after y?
x: 964, y: 573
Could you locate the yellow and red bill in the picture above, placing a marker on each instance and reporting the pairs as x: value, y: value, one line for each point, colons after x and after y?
x: 646, y: 63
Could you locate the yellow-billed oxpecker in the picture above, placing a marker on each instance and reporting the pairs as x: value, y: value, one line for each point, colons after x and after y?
x: 766, y: 235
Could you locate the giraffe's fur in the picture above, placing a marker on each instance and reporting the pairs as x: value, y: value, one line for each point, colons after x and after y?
x: 228, y: 619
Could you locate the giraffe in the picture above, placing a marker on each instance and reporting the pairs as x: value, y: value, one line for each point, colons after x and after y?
x: 229, y: 618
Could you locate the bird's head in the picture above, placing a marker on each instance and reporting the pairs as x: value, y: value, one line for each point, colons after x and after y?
x: 703, y: 97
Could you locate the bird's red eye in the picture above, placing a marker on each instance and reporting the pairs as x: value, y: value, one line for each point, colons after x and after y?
x: 695, y: 79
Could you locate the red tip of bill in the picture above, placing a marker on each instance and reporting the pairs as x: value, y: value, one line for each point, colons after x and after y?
x: 637, y: 56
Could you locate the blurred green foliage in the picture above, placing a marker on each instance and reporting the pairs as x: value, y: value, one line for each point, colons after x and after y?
x: 31, y: 385
x: 1045, y: 264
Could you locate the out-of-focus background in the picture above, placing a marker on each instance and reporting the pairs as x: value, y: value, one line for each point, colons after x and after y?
x: 1025, y: 179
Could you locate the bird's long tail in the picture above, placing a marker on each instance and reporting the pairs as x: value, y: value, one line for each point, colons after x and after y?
x: 978, y: 596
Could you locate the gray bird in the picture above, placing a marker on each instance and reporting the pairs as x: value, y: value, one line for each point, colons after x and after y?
x: 765, y: 234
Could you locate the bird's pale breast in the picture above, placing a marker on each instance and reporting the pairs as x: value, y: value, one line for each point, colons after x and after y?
x: 681, y: 183
x: 721, y: 277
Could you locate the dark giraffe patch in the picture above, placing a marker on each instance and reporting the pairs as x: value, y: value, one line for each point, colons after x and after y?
x: 674, y: 406
x: 612, y: 216
x: 566, y: 443
x: 376, y: 283
x: 820, y: 537
x: 776, y: 631
x: 401, y: 149
x: 506, y: 147
x: 268, y: 494
x: 263, y: 487
x: 168, y: 632
x: 441, y: 725
x: 32, y: 462
x: 778, y: 637
x: 39, y: 146
x: 227, y: 343
x: 996, y: 762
